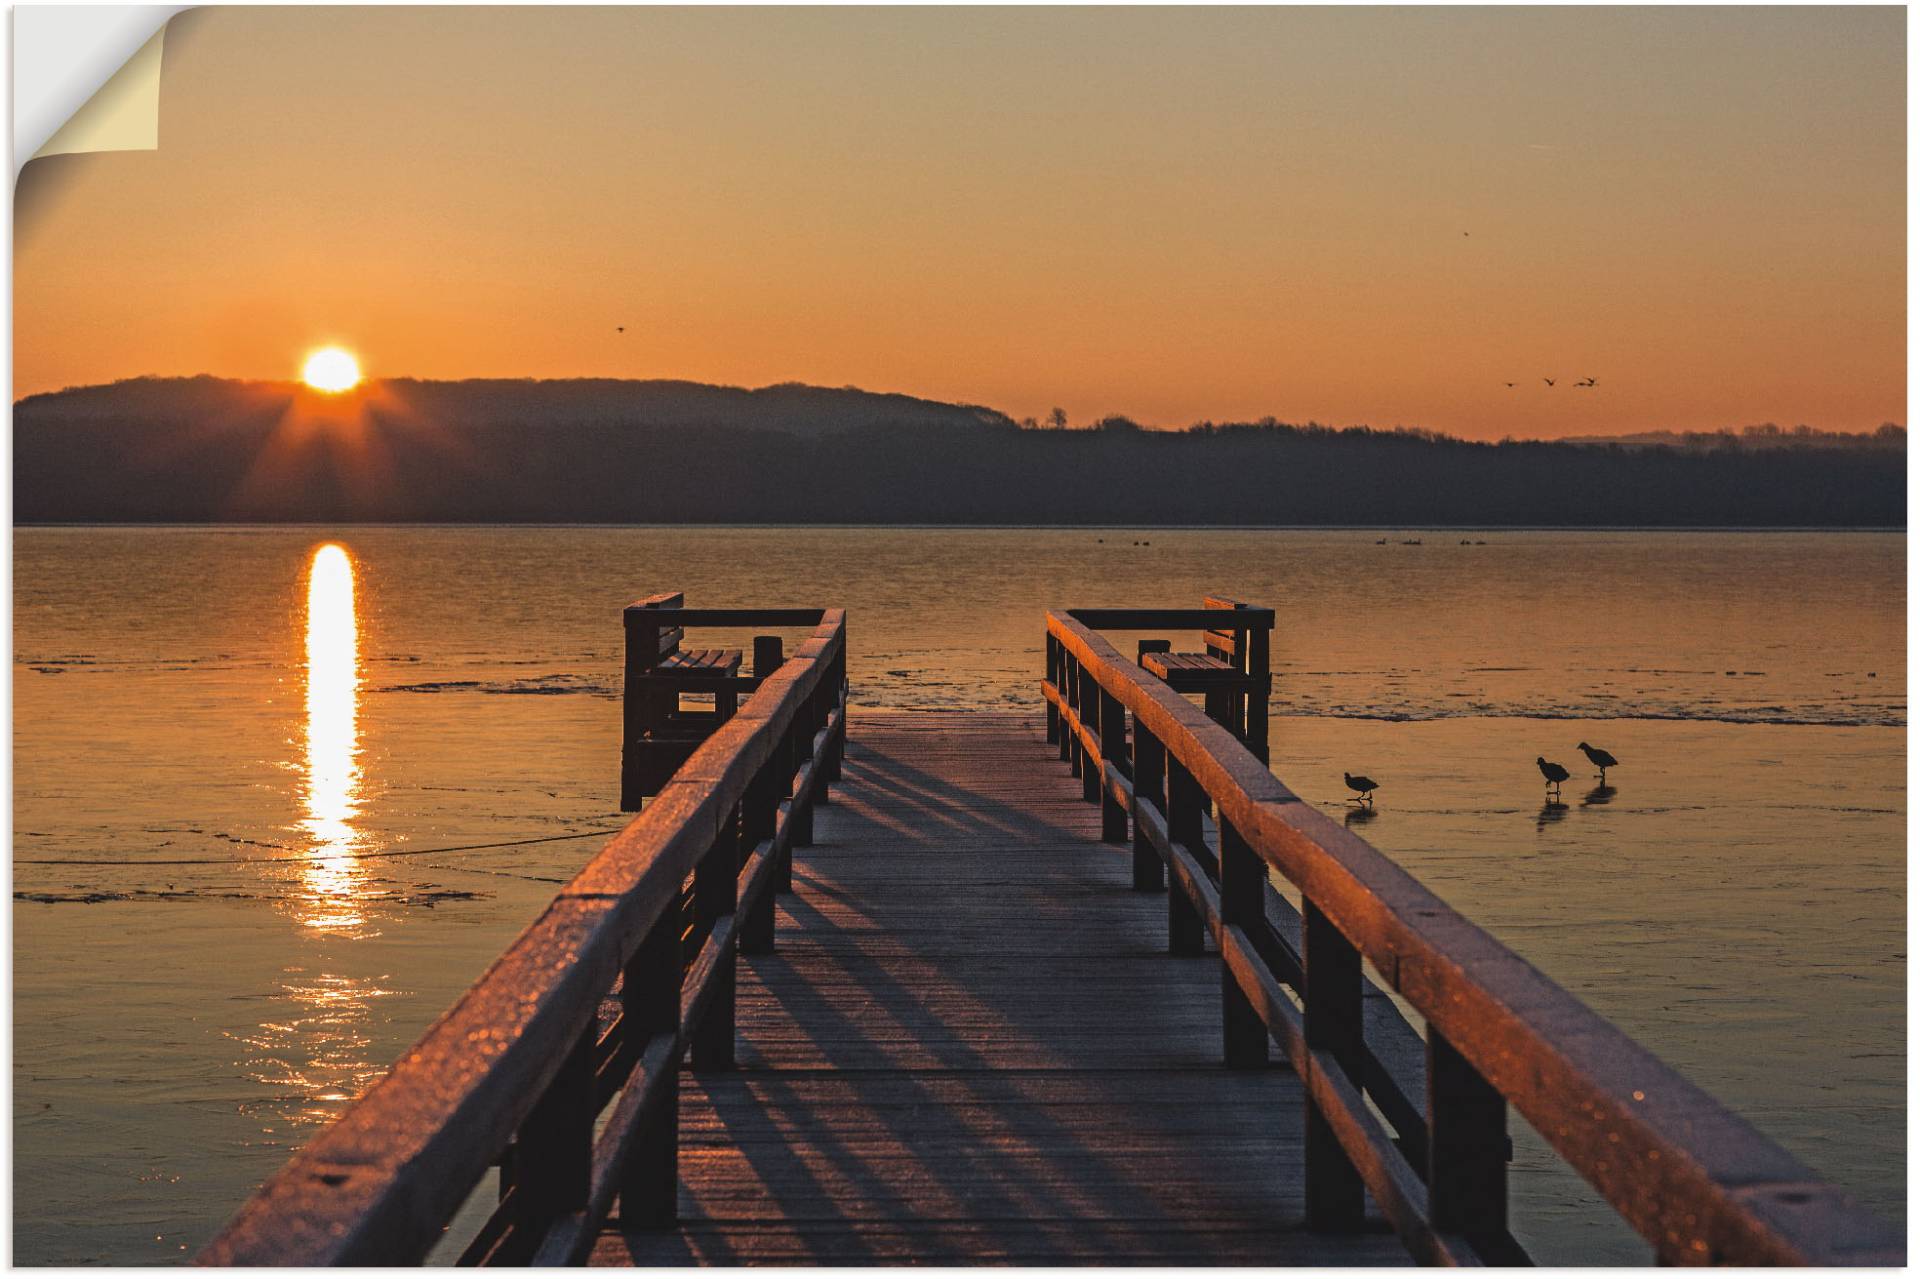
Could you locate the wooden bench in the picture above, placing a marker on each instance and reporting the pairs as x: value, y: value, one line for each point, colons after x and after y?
x: 661, y: 732
x: 1232, y: 675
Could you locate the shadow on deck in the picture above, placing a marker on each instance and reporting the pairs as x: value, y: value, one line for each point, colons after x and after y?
x: 972, y: 1045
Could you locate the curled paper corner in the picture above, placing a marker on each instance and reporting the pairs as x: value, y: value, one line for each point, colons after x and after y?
x: 123, y: 115
x: 76, y: 89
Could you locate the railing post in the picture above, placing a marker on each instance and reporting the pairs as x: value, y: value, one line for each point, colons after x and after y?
x: 1070, y: 749
x: 1260, y: 671
x: 640, y: 640
x: 650, y: 1007
x: 1186, y: 930
x: 715, y: 893
x: 1243, y: 881
x: 553, y: 1153
x: 799, y: 815
x: 1331, y: 973
x: 1149, y: 786
x: 1053, y: 678
x: 1466, y: 1145
x: 1113, y: 750
x: 1091, y: 782
x: 759, y: 813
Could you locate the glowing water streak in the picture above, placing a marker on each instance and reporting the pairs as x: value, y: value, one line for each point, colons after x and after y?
x: 332, y: 881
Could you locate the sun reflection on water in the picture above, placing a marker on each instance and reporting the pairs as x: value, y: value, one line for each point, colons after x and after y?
x: 332, y: 880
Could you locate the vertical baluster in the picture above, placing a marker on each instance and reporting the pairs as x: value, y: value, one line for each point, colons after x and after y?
x: 1466, y: 1145
x: 1243, y: 882
x: 1113, y: 750
x: 1260, y: 670
x: 1186, y: 930
x: 1090, y: 708
x: 799, y: 815
x: 715, y: 892
x: 1149, y: 787
x: 553, y: 1154
x: 650, y: 1007
x: 1335, y: 1194
x: 1053, y: 678
x: 759, y: 811
x: 642, y: 638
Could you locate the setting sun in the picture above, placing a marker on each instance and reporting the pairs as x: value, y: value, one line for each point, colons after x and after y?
x: 331, y: 369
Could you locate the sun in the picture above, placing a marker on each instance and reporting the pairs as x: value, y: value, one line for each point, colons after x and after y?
x: 331, y: 369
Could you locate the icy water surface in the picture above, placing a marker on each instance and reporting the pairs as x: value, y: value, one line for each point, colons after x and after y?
x: 272, y: 816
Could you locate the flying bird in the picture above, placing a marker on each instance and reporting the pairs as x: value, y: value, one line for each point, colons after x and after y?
x: 1552, y: 772
x: 1601, y: 760
x: 1511, y: 385
x: 619, y: 328
x: 1364, y: 785
x: 1547, y: 380
x: 1589, y: 382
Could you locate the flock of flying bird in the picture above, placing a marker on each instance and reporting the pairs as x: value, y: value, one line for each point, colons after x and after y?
x: 1552, y: 382
x: 1554, y: 773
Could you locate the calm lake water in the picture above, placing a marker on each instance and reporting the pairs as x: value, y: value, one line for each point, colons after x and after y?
x: 272, y: 813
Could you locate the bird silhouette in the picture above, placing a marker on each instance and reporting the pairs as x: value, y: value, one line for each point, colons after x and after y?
x: 1552, y: 772
x: 1547, y: 380
x: 1601, y: 760
x: 619, y: 328
x: 1511, y: 385
x: 1364, y: 785
x: 1588, y: 382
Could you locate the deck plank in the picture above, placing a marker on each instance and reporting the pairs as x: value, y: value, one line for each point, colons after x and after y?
x: 970, y: 1045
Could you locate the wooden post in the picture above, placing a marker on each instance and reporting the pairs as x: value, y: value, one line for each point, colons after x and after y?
x: 553, y: 1152
x: 1186, y: 930
x: 1091, y: 782
x: 1335, y: 1194
x: 1259, y: 670
x: 799, y: 816
x: 1053, y: 678
x: 650, y: 1007
x: 1113, y: 749
x: 643, y: 639
x: 1149, y: 791
x: 715, y: 892
x: 1243, y: 882
x: 1466, y: 1145
x: 759, y: 812
x: 1069, y: 737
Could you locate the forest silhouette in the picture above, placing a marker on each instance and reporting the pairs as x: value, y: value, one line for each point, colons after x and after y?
x: 600, y: 451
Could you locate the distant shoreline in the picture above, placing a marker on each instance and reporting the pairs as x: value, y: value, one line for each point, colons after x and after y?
x: 1010, y: 528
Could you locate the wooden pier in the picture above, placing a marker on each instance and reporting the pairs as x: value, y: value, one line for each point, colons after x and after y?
x: 1024, y: 991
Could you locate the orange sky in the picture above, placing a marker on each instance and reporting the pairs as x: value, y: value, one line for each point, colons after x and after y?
x: 1349, y: 215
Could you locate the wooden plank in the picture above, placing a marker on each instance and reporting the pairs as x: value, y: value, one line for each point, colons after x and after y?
x: 970, y: 1045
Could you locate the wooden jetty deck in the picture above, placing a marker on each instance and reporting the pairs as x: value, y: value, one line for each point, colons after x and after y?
x: 970, y: 1044
x: 992, y: 987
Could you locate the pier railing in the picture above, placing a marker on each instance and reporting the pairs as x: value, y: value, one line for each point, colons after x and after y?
x: 1693, y: 1179
x: 575, y: 1105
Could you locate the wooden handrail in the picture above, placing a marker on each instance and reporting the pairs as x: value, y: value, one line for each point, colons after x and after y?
x: 519, y: 1069
x: 1691, y: 1177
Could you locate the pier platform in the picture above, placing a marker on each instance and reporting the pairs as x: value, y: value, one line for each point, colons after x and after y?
x: 971, y: 1045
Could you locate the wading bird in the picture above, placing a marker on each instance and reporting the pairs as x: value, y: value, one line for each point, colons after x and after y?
x: 1552, y: 772
x: 1601, y: 760
x: 1364, y: 785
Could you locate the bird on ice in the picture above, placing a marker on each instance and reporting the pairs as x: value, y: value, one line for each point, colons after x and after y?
x: 1552, y: 772
x: 1600, y: 759
x: 1365, y: 785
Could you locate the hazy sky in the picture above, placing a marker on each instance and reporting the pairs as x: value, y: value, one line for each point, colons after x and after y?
x: 1349, y: 215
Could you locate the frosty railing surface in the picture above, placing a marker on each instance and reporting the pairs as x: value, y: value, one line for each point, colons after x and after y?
x: 1695, y: 1180
x: 523, y: 1071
